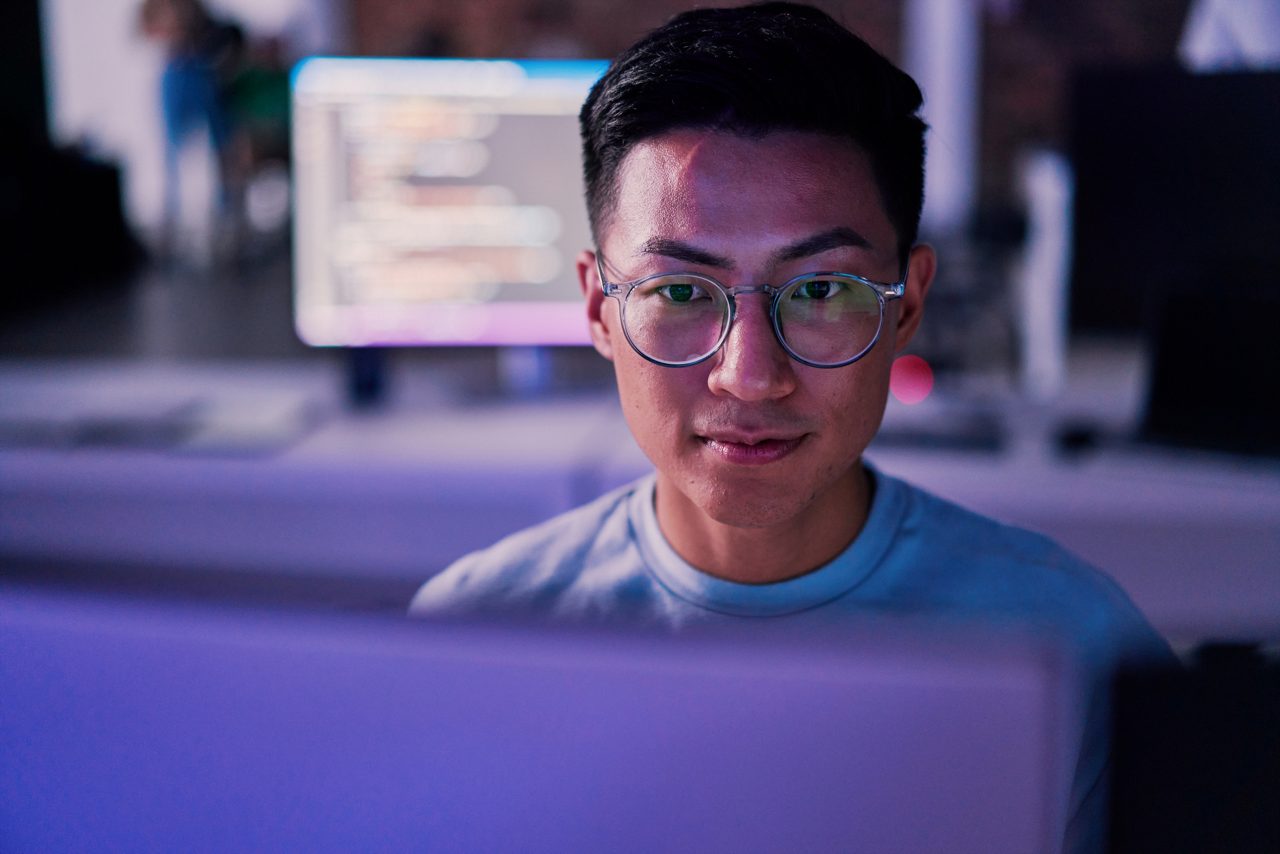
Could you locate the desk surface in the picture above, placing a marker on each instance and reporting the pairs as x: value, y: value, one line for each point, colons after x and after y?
x: 263, y: 469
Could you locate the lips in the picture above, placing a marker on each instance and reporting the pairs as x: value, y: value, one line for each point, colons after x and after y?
x: 745, y: 449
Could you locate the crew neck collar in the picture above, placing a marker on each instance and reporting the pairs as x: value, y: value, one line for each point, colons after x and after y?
x: 830, y: 581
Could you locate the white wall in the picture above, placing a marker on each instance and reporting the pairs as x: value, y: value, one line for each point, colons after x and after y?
x: 104, y: 79
x: 942, y: 50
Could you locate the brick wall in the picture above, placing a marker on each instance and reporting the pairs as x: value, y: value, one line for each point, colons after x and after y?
x: 1029, y: 57
x: 1030, y: 47
x: 602, y: 27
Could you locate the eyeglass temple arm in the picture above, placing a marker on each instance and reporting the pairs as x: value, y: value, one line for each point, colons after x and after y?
x: 607, y: 287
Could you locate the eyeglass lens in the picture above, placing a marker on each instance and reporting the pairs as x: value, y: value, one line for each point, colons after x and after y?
x: 680, y: 319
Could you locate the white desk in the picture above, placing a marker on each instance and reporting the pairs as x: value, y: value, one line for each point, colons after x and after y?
x: 1195, y: 539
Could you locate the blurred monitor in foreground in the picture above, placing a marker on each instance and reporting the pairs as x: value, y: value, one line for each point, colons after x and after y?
x: 165, y: 726
x: 438, y: 201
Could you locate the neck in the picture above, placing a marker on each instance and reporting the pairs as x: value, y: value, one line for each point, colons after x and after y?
x: 770, y: 553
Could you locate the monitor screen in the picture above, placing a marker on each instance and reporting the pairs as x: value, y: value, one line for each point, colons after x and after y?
x: 438, y: 202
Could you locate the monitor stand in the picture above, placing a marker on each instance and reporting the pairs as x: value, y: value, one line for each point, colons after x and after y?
x: 524, y: 372
x: 366, y: 377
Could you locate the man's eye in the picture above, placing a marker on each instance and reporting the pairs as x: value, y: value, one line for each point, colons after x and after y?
x: 817, y: 289
x: 682, y: 292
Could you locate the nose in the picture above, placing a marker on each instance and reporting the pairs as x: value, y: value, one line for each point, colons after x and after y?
x: 752, y: 366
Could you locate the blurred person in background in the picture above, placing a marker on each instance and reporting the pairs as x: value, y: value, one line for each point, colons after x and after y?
x: 259, y: 150
x: 202, y: 57
x: 754, y: 180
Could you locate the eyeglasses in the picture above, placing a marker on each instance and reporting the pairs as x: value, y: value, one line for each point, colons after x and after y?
x: 824, y: 320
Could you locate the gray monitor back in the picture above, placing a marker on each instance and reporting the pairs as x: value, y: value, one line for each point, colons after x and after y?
x: 130, y: 725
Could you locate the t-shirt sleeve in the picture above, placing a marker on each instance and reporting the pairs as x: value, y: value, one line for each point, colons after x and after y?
x: 529, y: 572
x: 445, y: 593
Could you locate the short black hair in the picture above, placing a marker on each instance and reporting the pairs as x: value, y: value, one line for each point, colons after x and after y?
x: 752, y: 70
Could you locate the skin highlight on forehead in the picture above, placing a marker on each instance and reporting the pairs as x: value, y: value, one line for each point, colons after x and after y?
x: 832, y: 238
x: 685, y: 200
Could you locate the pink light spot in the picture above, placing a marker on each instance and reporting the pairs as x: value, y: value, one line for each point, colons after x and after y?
x: 910, y: 379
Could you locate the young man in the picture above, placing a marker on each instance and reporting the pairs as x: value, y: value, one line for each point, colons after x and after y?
x: 754, y: 181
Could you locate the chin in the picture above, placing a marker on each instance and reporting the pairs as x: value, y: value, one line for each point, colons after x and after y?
x: 758, y: 506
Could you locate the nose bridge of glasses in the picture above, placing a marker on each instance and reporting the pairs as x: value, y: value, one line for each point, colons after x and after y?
x: 769, y: 292
x: 766, y: 333
x: 747, y: 290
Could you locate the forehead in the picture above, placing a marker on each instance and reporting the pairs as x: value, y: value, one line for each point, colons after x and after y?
x: 723, y: 191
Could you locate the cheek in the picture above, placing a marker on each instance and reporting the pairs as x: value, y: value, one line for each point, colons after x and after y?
x: 857, y: 401
x: 655, y: 400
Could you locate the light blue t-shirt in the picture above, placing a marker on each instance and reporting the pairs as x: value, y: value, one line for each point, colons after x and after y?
x: 608, y: 561
x: 917, y: 555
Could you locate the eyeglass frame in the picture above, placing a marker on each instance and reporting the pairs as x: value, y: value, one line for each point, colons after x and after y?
x: 885, y: 292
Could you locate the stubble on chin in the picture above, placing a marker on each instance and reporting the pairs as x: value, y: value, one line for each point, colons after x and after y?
x: 751, y: 503
x: 769, y: 496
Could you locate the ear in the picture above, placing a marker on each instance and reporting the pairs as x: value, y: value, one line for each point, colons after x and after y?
x: 923, y: 264
x: 589, y: 281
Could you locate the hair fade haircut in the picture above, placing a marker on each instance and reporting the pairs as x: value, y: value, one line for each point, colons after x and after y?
x: 749, y: 71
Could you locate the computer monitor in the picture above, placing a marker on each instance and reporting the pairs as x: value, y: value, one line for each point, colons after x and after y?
x: 1176, y: 185
x: 1177, y: 212
x: 159, y: 725
x: 438, y: 202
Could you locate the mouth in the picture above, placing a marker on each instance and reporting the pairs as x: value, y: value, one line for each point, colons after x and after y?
x: 751, y: 450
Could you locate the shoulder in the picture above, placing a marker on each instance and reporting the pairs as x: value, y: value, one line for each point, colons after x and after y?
x: 969, y: 561
x: 538, y: 563
x: 938, y: 531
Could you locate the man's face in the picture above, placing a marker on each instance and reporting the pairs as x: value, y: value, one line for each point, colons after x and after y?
x: 750, y: 437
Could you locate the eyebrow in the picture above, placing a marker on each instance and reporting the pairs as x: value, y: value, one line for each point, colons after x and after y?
x: 678, y: 250
x: 834, y: 238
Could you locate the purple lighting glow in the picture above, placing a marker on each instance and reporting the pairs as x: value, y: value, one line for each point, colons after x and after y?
x: 516, y: 323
